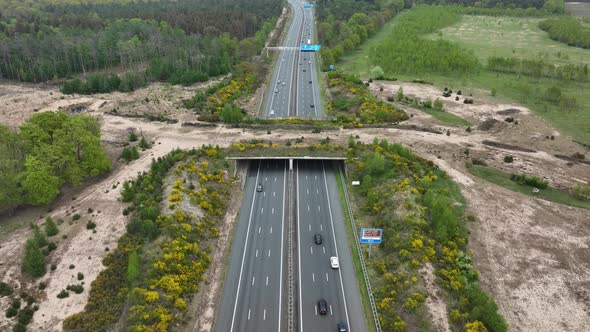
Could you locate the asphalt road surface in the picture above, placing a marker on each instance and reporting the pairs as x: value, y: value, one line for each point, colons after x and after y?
x: 253, y: 290
x: 294, y: 89
x: 319, y: 212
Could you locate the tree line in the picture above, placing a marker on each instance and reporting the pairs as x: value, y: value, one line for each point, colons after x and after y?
x: 50, y: 150
x: 568, y: 30
x: 553, y: 6
x: 344, y: 25
x: 240, y: 18
x: 538, y: 68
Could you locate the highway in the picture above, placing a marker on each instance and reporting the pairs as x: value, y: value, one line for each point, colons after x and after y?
x: 319, y: 212
x: 290, y: 93
x: 253, y: 290
x: 255, y: 296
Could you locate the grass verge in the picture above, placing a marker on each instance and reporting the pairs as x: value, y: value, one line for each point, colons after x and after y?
x: 446, y: 117
x: 355, y: 257
x: 503, y: 179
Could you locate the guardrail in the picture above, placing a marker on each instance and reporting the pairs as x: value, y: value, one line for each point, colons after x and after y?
x: 361, y: 256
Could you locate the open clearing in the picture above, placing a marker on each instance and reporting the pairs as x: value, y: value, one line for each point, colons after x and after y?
x: 533, y: 255
x: 518, y: 37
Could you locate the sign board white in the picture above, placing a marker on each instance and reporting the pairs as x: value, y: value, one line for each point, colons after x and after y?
x: 356, y: 183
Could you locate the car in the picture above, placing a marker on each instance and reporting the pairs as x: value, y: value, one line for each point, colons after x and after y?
x: 283, y: 59
x: 276, y: 90
x: 318, y: 238
x: 309, y: 82
x: 304, y: 69
x: 272, y: 112
x: 259, y: 187
x: 342, y: 327
x: 312, y: 105
x: 300, y: 63
x: 322, y: 307
x: 283, y: 83
x: 334, y: 262
x: 309, y: 62
x: 278, y: 81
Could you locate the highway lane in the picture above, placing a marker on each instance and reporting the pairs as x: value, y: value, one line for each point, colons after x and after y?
x: 253, y: 290
x: 279, y: 92
x: 319, y: 212
x: 308, y: 94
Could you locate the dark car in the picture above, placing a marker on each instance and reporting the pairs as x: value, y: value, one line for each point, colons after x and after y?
x: 312, y: 105
x: 259, y: 187
x: 309, y: 82
x: 318, y: 238
x: 323, y: 307
x: 342, y: 327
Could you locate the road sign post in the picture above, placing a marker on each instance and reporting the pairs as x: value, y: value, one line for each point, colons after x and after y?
x: 370, y: 236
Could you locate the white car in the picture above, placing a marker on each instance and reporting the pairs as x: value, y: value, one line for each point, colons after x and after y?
x: 334, y: 262
x: 272, y: 112
x: 284, y: 83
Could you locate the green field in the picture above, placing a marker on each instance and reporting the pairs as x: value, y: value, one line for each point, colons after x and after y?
x: 503, y: 179
x: 500, y: 36
x: 518, y: 37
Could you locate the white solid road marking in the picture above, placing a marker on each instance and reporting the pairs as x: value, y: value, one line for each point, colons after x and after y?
x: 264, y: 314
x: 268, y: 252
x: 249, y: 314
x: 316, y: 309
x: 259, y: 229
x: 331, y: 314
x: 244, y: 256
x: 267, y: 279
x: 313, y: 277
x: 253, y: 278
x: 257, y: 252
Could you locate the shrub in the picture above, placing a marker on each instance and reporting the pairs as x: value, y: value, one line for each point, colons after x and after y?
x: 78, y: 289
x: 63, y: 294
x: 38, y: 237
x: 25, y: 316
x: 532, y: 181
x: 5, y: 289
x: 42, y: 286
x: 72, y: 266
x: 129, y: 154
x: 90, y: 225
x: 133, y: 267
x: 132, y: 136
x: 80, y: 276
x: 76, y: 217
x: 11, y: 312
x: 508, y: 159
x: 19, y: 328
x: 33, y: 261
x: 143, y: 144
x: 15, y: 303
x: 468, y: 129
x: 493, y: 92
x: 50, y: 227
x: 582, y: 192
x: 438, y: 104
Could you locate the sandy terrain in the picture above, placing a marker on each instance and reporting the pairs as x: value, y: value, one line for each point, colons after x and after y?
x: 533, y: 255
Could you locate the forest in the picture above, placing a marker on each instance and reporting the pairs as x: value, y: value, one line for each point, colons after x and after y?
x: 568, y: 30
x: 171, y: 37
x: 344, y: 25
x: 407, y: 52
x: 50, y: 150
